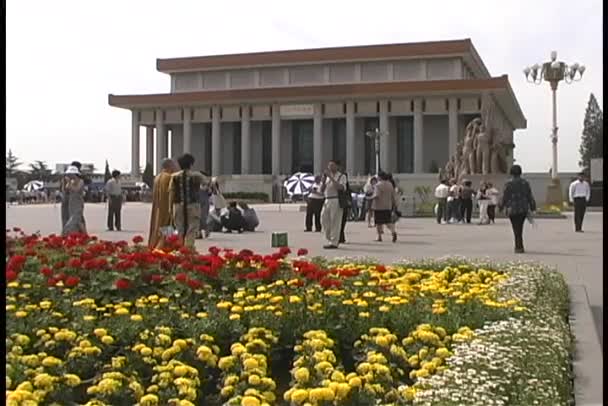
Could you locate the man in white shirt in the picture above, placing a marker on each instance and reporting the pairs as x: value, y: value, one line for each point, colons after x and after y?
x: 331, y: 216
x: 441, y: 193
x: 579, y: 193
x: 314, y: 204
x: 114, y: 193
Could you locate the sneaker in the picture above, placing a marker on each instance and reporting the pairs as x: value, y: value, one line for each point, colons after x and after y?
x: 394, y: 237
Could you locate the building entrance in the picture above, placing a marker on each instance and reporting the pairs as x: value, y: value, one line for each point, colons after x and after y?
x: 302, y: 146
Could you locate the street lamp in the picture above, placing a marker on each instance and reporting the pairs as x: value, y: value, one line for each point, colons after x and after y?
x: 375, y: 135
x: 554, y: 72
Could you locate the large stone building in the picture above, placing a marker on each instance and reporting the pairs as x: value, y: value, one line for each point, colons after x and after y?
x: 278, y: 112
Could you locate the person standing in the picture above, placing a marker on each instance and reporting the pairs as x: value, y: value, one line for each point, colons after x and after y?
x: 346, y: 210
x: 249, y: 217
x: 75, y: 189
x: 204, y: 197
x: 492, y: 193
x: 466, y: 201
x: 456, y: 204
x: 184, y: 191
x: 161, y: 216
x: 113, y: 191
x: 65, y: 211
x: 314, y: 205
x: 384, y: 202
x: 331, y: 216
x: 368, y: 189
x: 483, y: 200
x: 518, y: 202
x: 579, y: 194
x: 441, y: 194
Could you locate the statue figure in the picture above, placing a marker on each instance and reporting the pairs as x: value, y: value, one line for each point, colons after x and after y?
x: 450, y: 167
x: 482, y: 150
x: 498, y: 159
x: 468, y: 147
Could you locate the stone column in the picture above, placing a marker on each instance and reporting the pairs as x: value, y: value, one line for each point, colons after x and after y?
x: 187, y: 131
x: 276, y: 140
x: 216, y: 158
x: 350, y: 138
x: 150, y: 145
x: 317, y: 139
x: 134, y: 143
x: 245, y: 141
x: 452, y: 126
x: 418, y: 136
x: 161, y: 135
x: 385, y: 162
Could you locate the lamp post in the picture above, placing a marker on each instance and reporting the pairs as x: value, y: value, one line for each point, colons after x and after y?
x: 375, y: 135
x: 554, y: 72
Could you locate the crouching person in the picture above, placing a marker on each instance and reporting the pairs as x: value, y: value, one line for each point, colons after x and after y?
x: 250, y: 217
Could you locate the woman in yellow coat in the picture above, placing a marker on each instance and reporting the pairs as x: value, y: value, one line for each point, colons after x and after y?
x: 162, y: 215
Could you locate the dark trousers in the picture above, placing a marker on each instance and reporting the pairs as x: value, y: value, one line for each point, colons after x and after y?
x: 580, y: 207
x: 313, y: 209
x: 466, y: 209
x: 517, y: 223
x: 114, y: 207
x: 492, y: 212
x: 455, y: 211
x: 442, y: 210
x: 343, y: 225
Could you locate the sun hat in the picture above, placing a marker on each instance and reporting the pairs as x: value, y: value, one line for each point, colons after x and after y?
x: 72, y: 170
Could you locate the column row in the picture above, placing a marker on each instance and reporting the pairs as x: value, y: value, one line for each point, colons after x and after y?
x: 161, y: 148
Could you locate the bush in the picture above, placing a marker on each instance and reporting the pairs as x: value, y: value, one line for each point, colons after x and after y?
x: 248, y: 196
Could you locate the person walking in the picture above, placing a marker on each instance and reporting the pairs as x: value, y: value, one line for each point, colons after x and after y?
x: 384, y: 202
x: 332, y: 183
x: 113, y: 190
x: 441, y: 194
x: 483, y: 200
x: 314, y: 205
x: 161, y: 216
x: 368, y: 189
x: 204, y: 200
x: 579, y: 194
x: 492, y: 193
x: 184, y: 191
x: 466, y: 201
x: 517, y: 202
x: 249, y: 217
x: 75, y: 189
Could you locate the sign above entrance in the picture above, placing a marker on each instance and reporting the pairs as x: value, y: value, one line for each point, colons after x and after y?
x: 295, y: 110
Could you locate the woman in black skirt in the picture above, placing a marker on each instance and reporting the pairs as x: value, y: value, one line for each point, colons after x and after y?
x: 384, y: 201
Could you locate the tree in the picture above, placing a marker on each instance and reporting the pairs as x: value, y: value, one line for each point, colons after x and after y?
x: 12, y: 163
x: 148, y: 175
x: 592, y: 140
x: 40, y: 171
x: 107, y: 175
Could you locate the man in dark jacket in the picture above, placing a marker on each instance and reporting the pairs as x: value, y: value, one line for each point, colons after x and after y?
x: 233, y: 221
x: 466, y: 201
x: 518, y: 203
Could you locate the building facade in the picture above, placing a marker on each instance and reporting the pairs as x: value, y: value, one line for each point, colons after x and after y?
x: 279, y: 112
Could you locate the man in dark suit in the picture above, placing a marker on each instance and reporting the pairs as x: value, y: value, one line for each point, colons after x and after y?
x: 345, y: 212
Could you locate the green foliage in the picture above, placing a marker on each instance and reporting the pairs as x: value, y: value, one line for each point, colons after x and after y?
x: 247, y: 196
x: 12, y: 163
x: 423, y: 193
x: 107, y: 175
x: 39, y: 171
x: 592, y: 140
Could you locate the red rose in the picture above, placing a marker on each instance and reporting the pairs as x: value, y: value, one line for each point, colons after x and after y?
x: 380, y: 268
x: 156, y: 278
x: 74, y: 263
x: 123, y: 284
x: 138, y: 239
x: 46, y: 271
x: 194, y: 284
x: 214, y: 250
x: 51, y: 282
x: 181, y: 277
x: 302, y: 251
x: 285, y: 250
x: 11, y: 275
x: 72, y: 281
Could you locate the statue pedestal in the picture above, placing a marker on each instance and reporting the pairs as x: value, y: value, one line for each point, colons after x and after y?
x: 554, y: 193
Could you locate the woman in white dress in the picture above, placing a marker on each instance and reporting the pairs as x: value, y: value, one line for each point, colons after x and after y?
x: 483, y: 201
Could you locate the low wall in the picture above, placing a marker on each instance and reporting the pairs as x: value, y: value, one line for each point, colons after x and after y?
x: 406, y: 182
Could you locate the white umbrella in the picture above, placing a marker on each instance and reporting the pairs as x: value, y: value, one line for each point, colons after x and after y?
x: 142, y: 185
x: 33, y: 186
x: 299, y: 183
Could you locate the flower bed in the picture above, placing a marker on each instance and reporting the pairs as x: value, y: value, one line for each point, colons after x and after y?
x: 101, y: 323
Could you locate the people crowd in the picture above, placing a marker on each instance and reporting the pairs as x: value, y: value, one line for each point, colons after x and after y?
x: 455, y: 202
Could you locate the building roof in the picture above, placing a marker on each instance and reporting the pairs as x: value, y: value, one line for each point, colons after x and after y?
x: 462, y: 47
x: 498, y: 86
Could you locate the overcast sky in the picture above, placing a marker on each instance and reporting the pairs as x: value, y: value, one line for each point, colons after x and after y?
x: 65, y: 57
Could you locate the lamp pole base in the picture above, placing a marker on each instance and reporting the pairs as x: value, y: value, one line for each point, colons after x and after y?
x: 554, y: 193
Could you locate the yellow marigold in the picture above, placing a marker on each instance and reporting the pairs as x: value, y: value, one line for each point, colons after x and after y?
x: 136, y: 317
x: 299, y: 396
x: 107, y: 340
x: 71, y: 380
x: 148, y: 400
x: 250, y: 401
x: 50, y: 362
x: 250, y: 364
x: 234, y: 316
x: 254, y: 380
x: 227, y: 362
x: 302, y: 375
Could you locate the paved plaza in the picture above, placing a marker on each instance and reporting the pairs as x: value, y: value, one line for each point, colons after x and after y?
x: 553, y: 242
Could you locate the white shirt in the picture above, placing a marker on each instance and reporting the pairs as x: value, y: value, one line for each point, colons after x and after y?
x: 442, y: 191
x: 330, y: 187
x: 492, y: 193
x: 315, y: 192
x: 579, y: 189
x: 113, y: 187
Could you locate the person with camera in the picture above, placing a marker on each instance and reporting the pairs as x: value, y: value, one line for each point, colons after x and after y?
x: 333, y: 186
